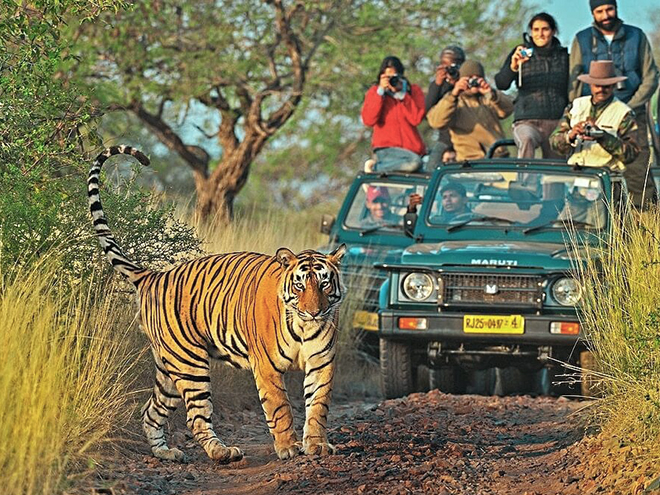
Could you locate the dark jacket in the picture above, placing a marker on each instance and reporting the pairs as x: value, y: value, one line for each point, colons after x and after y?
x: 632, y: 56
x: 544, y: 90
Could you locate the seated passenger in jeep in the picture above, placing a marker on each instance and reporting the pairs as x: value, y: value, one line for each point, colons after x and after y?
x: 378, y: 205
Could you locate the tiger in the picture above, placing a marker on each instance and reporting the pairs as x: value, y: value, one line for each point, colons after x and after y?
x: 269, y: 314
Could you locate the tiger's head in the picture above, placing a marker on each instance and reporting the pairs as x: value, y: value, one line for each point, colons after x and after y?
x: 311, y: 284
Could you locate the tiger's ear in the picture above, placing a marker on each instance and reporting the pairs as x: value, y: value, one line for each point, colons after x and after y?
x: 337, y: 255
x: 285, y: 256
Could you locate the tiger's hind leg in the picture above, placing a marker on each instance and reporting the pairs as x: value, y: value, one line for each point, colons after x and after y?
x: 194, y: 385
x: 164, y: 399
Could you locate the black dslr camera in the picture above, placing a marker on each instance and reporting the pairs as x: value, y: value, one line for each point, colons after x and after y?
x: 452, y: 71
x: 473, y: 82
x: 593, y: 132
x: 396, y: 80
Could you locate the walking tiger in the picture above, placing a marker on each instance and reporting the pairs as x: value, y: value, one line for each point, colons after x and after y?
x: 266, y: 313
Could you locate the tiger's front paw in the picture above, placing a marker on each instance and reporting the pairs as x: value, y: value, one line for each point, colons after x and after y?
x: 287, y: 451
x: 224, y: 455
x: 318, y: 448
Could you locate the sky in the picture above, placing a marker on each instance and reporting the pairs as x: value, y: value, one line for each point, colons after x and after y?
x: 574, y: 15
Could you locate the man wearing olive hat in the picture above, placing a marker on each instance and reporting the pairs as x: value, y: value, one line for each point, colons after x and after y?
x: 598, y: 130
x: 471, y: 112
x: 609, y: 38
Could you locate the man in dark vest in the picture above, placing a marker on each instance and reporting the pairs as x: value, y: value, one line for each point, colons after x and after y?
x: 627, y: 46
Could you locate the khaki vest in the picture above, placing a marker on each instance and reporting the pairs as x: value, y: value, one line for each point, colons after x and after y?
x: 590, y: 153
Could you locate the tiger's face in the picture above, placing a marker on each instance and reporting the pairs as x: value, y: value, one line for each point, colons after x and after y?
x: 312, y: 286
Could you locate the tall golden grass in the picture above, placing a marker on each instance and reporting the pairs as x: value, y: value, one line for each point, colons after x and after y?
x: 64, y: 371
x: 621, y: 317
x: 68, y: 358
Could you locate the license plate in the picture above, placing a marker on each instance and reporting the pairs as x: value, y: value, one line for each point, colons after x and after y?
x: 512, y: 324
x: 365, y: 320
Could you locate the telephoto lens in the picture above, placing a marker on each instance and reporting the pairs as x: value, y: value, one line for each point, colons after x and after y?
x: 395, y: 80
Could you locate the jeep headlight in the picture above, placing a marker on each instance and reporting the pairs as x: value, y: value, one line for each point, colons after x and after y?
x: 418, y: 286
x: 567, y: 291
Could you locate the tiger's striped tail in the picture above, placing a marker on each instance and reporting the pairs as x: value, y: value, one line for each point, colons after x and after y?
x: 112, y: 250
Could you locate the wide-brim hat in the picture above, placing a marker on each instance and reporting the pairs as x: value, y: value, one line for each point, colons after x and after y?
x: 602, y: 73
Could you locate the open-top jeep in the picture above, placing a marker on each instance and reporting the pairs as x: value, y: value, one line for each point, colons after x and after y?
x: 489, y: 285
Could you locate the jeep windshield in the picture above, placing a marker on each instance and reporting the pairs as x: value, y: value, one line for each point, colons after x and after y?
x: 380, y: 206
x: 529, y: 201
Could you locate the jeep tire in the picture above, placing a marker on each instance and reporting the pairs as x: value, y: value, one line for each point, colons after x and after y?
x: 396, y: 369
x: 447, y: 379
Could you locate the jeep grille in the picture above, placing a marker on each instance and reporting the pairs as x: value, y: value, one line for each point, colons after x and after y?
x: 363, y: 284
x: 460, y: 289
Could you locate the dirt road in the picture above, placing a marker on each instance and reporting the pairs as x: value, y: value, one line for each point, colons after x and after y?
x: 426, y: 443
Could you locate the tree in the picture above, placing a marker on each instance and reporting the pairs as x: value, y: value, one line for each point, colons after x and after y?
x: 255, y: 63
x: 43, y: 165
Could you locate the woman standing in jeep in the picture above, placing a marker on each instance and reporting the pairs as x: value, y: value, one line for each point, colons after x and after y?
x: 540, y: 69
x: 394, y: 108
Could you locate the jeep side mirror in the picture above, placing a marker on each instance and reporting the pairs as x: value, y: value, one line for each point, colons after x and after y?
x: 327, y: 222
x: 409, y: 222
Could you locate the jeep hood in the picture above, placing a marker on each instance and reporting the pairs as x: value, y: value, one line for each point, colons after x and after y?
x: 489, y: 253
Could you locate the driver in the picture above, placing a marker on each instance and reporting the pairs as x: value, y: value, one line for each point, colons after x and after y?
x: 454, y: 202
x: 378, y: 204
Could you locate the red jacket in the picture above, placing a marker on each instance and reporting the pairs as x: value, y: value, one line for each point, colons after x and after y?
x: 395, y: 121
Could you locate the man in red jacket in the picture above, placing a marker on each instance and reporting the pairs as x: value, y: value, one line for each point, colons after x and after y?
x: 394, y: 108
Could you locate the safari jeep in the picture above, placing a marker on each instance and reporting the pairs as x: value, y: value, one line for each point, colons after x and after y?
x: 488, y: 286
x: 371, y: 241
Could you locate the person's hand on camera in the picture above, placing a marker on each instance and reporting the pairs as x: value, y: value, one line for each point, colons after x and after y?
x: 440, y: 74
x: 484, y: 87
x: 444, y: 74
x: 385, y: 83
x: 579, y: 129
x: 461, y: 85
x: 517, y: 59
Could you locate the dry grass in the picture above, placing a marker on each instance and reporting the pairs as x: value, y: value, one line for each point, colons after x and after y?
x: 69, y: 362
x: 621, y: 316
x: 64, y: 373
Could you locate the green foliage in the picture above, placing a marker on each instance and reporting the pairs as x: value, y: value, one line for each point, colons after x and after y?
x: 42, y: 168
x: 182, y: 52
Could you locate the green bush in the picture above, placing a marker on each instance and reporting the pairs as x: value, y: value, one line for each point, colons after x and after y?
x: 43, y: 198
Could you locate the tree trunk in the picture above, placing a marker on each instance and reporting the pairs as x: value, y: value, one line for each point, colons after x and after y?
x: 216, y: 194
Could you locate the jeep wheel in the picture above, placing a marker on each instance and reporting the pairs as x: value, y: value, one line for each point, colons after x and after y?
x: 447, y: 379
x: 396, y: 370
x: 510, y: 380
x: 590, y: 384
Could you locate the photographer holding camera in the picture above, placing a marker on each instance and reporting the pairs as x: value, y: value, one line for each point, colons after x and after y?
x: 599, y: 129
x: 609, y: 38
x: 394, y: 108
x: 471, y: 112
x: 540, y: 69
x: 446, y: 75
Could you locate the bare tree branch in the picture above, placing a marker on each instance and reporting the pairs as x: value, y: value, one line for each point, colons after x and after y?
x: 194, y: 156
